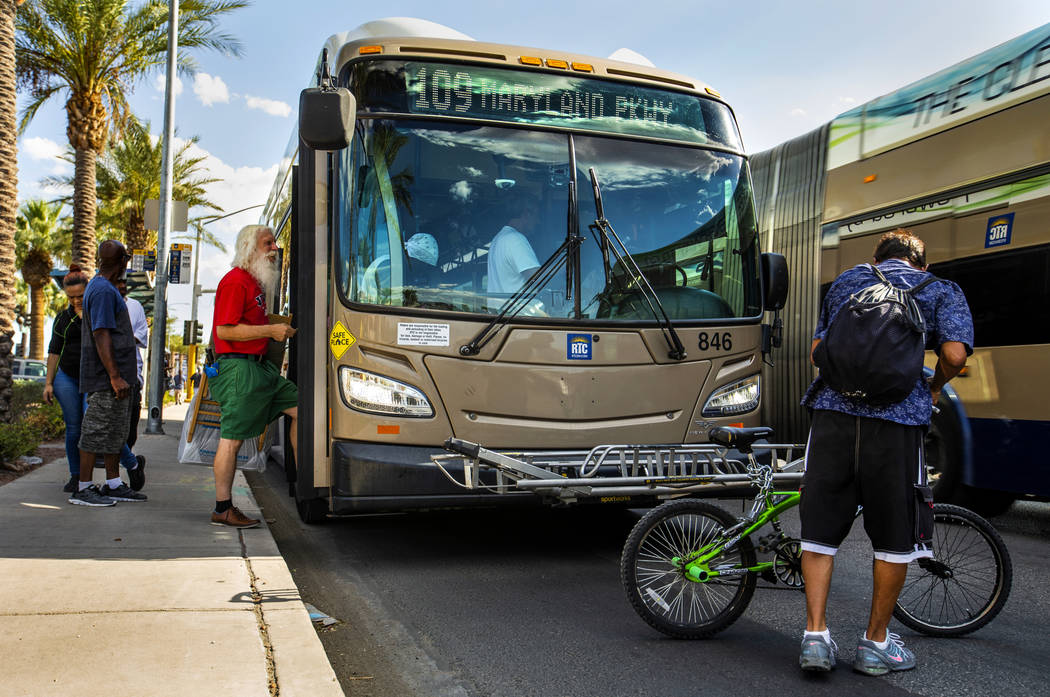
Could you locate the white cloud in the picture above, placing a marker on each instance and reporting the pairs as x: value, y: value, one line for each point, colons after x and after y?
x: 48, y: 151
x: 270, y: 106
x: 461, y: 190
x: 41, y: 148
x: 798, y: 112
x: 159, y: 82
x: 240, y: 187
x: 210, y: 89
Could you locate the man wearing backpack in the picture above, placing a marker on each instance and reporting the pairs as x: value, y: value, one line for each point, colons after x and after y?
x: 866, y: 441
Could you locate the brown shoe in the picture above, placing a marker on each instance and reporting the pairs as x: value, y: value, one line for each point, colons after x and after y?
x: 234, y: 518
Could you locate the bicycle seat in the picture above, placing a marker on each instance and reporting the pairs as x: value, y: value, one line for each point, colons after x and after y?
x: 741, y: 438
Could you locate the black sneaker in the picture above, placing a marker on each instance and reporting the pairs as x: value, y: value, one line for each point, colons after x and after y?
x: 137, y: 476
x: 72, y: 485
x: 122, y: 493
x: 91, y: 497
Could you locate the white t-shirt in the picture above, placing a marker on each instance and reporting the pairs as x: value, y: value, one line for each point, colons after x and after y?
x: 510, y: 263
x: 139, y: 328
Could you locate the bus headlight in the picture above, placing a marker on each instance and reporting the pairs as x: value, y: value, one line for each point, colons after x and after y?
x: 376, y: 394
x: 735, y: 398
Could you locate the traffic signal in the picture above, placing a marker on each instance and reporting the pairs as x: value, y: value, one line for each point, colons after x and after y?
x: 191, y: 332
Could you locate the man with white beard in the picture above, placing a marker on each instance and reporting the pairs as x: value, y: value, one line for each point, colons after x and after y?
x: 249, y: 389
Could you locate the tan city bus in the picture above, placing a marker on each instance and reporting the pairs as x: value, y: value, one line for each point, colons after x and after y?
x: 962, y: 158
x: 623, y: 301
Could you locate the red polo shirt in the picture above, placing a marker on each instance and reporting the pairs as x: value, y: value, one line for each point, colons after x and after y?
x: 239, y: 300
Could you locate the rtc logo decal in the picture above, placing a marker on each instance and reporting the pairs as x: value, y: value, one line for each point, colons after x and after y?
x: 999, y: 230
x: 578, y: 347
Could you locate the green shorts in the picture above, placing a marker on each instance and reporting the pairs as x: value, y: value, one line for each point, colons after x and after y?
x: 251, y: 395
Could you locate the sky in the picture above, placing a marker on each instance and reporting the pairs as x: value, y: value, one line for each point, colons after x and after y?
x: 785, y: 68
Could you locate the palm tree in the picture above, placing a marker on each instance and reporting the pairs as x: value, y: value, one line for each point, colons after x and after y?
x: 41, y: 234
x: 129, y: 174
x: 95, y: 51
x: 8, y: 199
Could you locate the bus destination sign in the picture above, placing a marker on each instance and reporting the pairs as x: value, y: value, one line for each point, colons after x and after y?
x: 567, y: 101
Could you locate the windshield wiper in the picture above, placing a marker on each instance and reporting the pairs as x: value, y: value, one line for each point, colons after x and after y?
x: 601, y: 225
x: 521, y: 298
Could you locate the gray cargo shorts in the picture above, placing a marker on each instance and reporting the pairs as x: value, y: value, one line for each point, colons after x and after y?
x: 105, y: 426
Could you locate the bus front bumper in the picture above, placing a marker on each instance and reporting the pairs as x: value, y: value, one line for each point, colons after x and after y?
x: 373, y: 478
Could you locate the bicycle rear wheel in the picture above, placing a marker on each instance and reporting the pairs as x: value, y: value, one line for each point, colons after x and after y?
x: 966, y: 583
x: 657, y: 586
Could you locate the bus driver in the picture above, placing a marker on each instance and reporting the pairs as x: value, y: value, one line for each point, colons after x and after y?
x: 511, y: 260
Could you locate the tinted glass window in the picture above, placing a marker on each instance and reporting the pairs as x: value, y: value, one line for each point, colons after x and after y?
x: 1007, y: 293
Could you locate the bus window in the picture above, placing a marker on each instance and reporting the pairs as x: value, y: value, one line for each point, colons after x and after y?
x: 430, y: 198
x: 686, y: 217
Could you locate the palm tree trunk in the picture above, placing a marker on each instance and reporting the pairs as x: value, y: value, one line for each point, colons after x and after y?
x: 8, y: 201
x: 37, y: 310
x: 84, y: 205
x: 135, y: 234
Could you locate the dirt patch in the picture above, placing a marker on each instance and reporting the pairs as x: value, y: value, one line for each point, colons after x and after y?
x: 48, y: 452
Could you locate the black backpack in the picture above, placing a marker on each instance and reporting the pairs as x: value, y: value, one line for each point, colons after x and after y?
x: 873, y: 351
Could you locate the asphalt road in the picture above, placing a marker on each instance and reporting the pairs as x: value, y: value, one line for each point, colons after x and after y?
x: 528, y: 602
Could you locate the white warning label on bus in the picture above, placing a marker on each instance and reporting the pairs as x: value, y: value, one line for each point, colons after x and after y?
x: 413, y: 334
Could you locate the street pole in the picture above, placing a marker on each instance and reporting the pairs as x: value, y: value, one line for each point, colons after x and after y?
x: 155, y: 422
x: 192, y: 348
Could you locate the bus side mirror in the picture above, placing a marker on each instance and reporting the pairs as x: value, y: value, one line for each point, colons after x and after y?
x: 774, y: 280
x: 326, y: 117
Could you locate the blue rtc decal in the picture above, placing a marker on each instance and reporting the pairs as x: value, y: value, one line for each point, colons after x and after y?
x: 578, y: 347
x: 999, y: 230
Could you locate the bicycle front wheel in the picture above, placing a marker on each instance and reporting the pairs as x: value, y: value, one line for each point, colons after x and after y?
x: 966, y: 583
x: 656, y: 584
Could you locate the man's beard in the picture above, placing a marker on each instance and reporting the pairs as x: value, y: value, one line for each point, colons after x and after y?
x: 267, y: 273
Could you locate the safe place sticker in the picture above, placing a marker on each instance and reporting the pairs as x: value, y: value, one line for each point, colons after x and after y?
x: 340, y: 340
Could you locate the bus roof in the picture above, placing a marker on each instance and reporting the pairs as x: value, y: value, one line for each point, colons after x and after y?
x: 403, y: 37
x: 1011, y: 73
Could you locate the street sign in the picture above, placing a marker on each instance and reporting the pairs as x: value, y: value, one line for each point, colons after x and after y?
x: 180, y: 262
x: 144, y: 260
x: 179, y: 215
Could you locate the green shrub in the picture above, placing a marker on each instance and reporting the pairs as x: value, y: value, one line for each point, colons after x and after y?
x: 46, y: 421
x: 35, y: 423
x: 26, y: 394
x: 17, y: 439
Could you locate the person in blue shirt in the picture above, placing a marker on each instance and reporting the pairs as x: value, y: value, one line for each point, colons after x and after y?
x: 107, y: 372
x: 860, y: 454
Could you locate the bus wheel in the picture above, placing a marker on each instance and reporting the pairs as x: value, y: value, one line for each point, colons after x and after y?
x: 312, y: 511
x: 987, y: 502
x: 944, y: 458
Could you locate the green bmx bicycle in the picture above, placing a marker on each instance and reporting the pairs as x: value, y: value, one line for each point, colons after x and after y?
x: 690, y: 568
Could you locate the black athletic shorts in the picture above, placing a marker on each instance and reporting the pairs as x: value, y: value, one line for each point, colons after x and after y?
x: 857, y: 461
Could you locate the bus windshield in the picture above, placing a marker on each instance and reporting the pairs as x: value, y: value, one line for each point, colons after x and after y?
x: 456, y: 217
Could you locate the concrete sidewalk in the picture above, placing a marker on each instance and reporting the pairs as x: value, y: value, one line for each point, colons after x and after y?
x: 148, y: 598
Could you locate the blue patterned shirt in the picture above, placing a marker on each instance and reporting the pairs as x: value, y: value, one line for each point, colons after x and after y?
x: 947, y: 319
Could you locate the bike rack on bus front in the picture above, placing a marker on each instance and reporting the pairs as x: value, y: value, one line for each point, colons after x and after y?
x: 624, y: 470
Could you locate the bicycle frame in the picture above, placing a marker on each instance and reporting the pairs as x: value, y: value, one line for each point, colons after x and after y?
x: 698, y: 568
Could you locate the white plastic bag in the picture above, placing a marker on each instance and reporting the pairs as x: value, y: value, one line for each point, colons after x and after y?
x: 201, y: 448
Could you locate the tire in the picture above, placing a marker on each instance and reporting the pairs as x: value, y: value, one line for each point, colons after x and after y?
x: 986, y: 502
x: 312, y: 511
x: 660, y: 592
x: 944, y: 457
x: 944, y: 468
x: 966, y: 583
